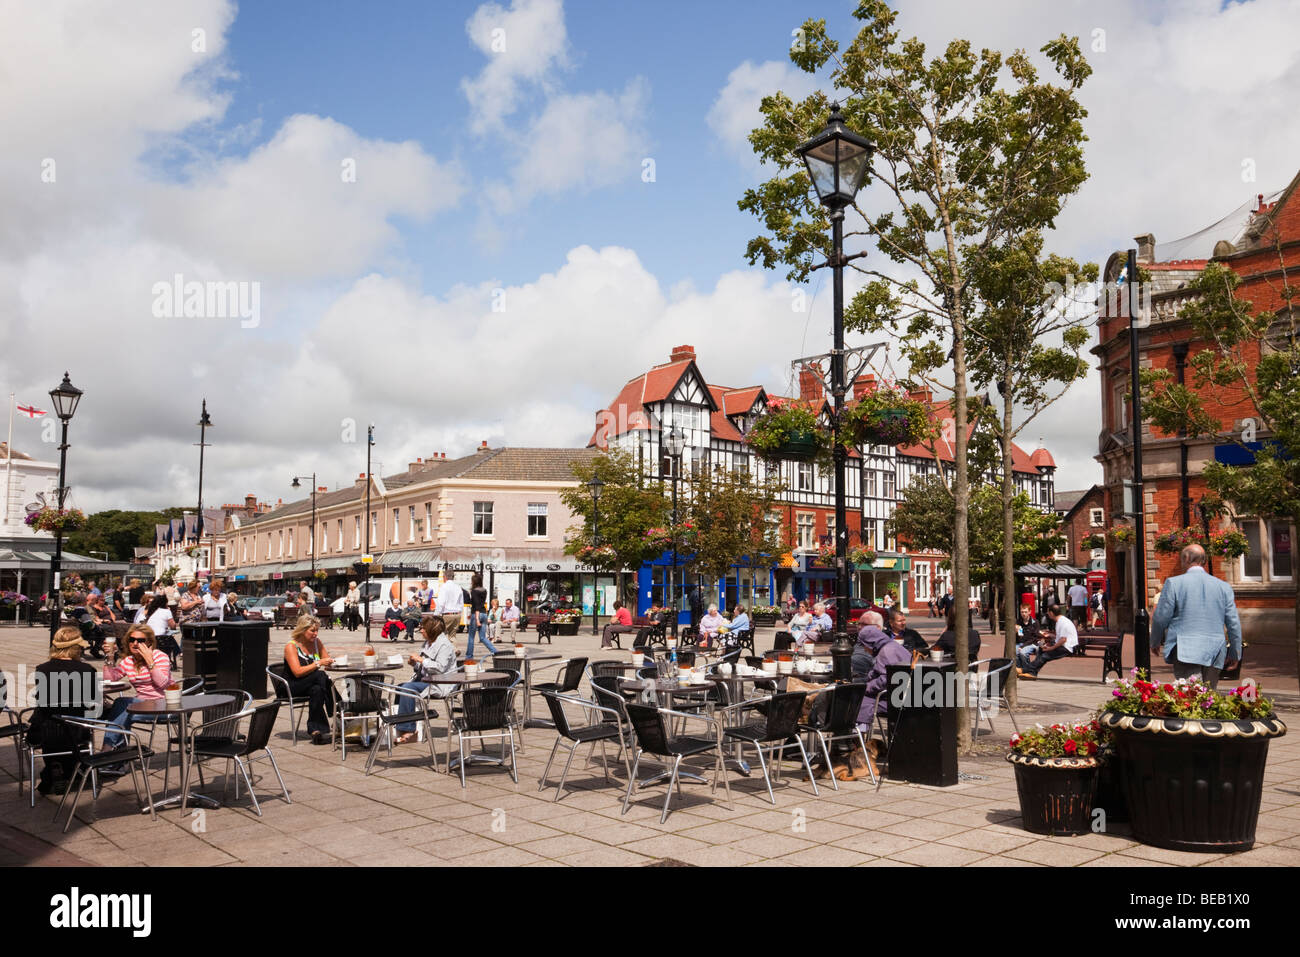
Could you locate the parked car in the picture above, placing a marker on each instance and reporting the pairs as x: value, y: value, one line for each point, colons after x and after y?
x: 261, y: 609
x: 857, y: 607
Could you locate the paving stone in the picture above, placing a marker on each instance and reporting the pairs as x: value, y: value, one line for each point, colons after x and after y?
x: 1057, y: 853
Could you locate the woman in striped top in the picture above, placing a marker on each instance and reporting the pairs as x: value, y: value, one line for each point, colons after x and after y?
x: 147, y: 669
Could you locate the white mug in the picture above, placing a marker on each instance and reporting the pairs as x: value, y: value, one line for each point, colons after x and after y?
x: 724, y: 669
x: 936, y: 656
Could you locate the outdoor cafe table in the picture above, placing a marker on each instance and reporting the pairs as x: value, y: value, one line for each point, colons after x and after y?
x: 157, y: 707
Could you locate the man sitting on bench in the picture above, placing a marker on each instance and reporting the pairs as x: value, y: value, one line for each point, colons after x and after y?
x: 1067, y: 639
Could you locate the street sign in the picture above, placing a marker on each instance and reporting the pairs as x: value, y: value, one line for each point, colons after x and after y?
x: 367, y: 559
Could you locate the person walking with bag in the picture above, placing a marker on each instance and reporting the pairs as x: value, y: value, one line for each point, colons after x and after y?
x: 1191, y: 619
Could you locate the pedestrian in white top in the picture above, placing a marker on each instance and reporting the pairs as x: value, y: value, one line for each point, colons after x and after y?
x: 450, y: 605
x: 214, y: 606
x: 1067, y: 639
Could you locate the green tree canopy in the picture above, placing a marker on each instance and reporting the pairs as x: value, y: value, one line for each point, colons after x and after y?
x: 731, y: 517
x: 119, y: 532
x: 629, y: 507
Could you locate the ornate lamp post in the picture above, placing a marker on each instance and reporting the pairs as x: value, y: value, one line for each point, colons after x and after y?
x: 204, y: 423
x: 595, y: 485
x: 65, y: 398
x: 674, y: 444
x: 312, y: 533
x: 1141, y: 620
x: 837, y: 160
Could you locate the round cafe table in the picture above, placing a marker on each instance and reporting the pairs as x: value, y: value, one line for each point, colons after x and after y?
x: 158, y: 707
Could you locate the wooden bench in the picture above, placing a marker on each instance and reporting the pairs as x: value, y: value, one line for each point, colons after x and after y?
x: 1108, y: 645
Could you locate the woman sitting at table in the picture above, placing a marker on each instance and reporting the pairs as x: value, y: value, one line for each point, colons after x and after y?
x: 437, y: 657
x: 821, y: 625
x: 947, y: 642
x: 145, y: 666
x: 307, y: 659
x: 799, y: 623
x: 709, y: 626
x: 65, y: 685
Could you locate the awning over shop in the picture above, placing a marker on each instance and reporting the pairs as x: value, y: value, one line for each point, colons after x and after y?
x: 1050, y: 571
x: 504, y: 560
x: 31, y: 559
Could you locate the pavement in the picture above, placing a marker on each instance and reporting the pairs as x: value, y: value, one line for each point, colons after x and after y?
x: 405, y: 813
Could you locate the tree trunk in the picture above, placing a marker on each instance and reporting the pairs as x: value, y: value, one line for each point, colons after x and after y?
x: 961, y: 531
x: 1008, y: 539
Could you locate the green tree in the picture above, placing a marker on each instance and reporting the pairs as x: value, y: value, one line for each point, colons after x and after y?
x: 731, y: 517
x: 118, y: 532
x: 1247, y: 356
x: 971, y: 149
x: 629, y: 507
x: 1025, y: 311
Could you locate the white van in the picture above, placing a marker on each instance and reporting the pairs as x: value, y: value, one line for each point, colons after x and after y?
x: 383, y: 594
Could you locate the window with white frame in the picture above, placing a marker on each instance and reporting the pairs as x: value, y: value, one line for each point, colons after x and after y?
x: 397, y: 519
x: 804, y: 477
x: 889, y: 484
x: 1097, y: 517
x: 921, y: 580
x: 279, y: 551
x: 805, y: 526
x: 356, y: 533
x: 869, y: 532
x: 739, y: 462
x: 869, y: 483
x: 324, y: 536
x: 830, y: 529
x: 221, y: 556
x: 374, y: 528
x: 290, y: 551
x: 338, y: 539
x: 1269, y: 554
x: 536, y: 519
x: 482, y: 518
x: 410, y: 530
x: 428, y: 521
x: 268, y: 546
x: 244, y: 551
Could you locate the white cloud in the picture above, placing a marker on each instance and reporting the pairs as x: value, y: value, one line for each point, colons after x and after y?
x: 523, y: 45
x: 579, y: 141
x: 735, y: 112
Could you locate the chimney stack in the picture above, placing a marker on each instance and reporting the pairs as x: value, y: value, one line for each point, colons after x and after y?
x: 864, y: 384
x: 682, y: 353
x: 250, y: 502
x: 810, y: 386
x: 1146, y: 248
x: 483, y: 446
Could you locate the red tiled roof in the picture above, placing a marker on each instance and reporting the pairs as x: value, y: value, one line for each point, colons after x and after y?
x: 738, y: 401
x: 721, y: 425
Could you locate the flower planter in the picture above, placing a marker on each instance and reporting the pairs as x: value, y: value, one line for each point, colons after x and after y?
x: 798, y: 445
x: 889, y: 427
x: 564, y: 627
x: 1193, y: 784
x: 764, y: 620
x: 1056, y: 794
x: 1110, y: 788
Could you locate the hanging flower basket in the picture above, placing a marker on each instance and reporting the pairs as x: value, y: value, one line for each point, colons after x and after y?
x: 1171, y: 543
x: 1121, y: 536
x: 861, y: 556
x: 595, y: 554
x: 1229, y: 544
x: 50, y: 519
x: 789, y: 431
x: 1094, y: 541
x: 887, y: 415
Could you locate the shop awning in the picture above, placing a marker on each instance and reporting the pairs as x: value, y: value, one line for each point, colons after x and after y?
x: 33, y: 559
x: 1050, y: 571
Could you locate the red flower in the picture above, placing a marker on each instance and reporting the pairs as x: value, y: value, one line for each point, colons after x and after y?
x: 1169, y: 688
x: 1092, y: 748
x: 1071, y: 747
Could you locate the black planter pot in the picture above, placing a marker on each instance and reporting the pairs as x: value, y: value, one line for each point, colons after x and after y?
x: 565, y: 628
x: 1056, y: 794
x: 798, y: 445
x: 1193, y: 784
x: 765, y: 620
x: 1110, y: 788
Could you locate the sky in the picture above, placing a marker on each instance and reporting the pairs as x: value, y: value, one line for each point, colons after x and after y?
x: 474, y: 222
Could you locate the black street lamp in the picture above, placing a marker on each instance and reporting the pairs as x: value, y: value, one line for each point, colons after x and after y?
x: 204, y: 423
x: 312, y: 533
x: 1141, y: 620
x: 837, y: 161
x: 595, y: 485
x: 365, y: 594
x: 65, y: 398
x: 674, y: 444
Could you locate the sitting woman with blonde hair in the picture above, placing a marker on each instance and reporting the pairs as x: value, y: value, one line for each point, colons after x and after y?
x: 306, y: 658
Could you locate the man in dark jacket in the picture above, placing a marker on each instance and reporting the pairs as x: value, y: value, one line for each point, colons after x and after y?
x: 912, y: 639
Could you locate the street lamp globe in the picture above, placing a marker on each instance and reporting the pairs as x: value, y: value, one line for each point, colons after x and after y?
x: 296, y: 483
x: 674, y: 441
x: 595, y: 485
x: 65, y: 398
x: 837, y: 161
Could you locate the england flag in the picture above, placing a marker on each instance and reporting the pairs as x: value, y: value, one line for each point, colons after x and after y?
x: 31, y: 411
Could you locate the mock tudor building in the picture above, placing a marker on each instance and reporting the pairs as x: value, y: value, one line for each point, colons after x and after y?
x: 715, y: 419
x: 1261, y: 243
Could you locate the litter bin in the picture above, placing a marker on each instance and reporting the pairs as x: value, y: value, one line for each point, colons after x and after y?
x: 923, y: 720
x: 228, y: 654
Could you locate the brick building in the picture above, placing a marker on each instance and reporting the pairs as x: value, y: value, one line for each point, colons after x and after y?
x: 1261, y: 243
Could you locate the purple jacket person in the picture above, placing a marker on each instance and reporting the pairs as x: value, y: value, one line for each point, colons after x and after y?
x: 887, y: 652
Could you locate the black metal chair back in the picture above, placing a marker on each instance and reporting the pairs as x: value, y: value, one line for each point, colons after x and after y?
x: 648, y: 724
x: 648, y: 673
x: 508, y: 679
x: 605, y: 692
x: 362, y: 697
x: 281, y: 671
x: 607, y: 668
x: 686, y: 659
x: 783, y: 641
x: 843, y: 707
x: 260, y: 726
x: 507, y: 662
x: 485, y: 709
x: 783, y: 715
x: 557, y: 714
x: 754, y: 661
x: 573, y: 673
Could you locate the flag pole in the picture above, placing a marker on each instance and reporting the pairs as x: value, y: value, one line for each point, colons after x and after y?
x: 9, y: 458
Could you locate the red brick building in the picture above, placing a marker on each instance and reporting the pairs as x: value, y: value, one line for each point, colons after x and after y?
x: 1260, y: 242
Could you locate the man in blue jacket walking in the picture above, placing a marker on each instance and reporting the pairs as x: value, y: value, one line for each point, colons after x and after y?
x: 1190, y: 621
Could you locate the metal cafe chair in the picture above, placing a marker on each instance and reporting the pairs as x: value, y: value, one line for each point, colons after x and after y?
x: 485, y: 713
x: 839, y: 721
x: 572, y: 737
x: 220, y: 738
x: 280, y: 676
x: 131, y: 753
x: 652, y: 738
x: 355, y: 699
x: 771, y: 734
x: 389, y: 718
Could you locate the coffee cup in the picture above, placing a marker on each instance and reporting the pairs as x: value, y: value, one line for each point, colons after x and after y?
x: 341, y: 660
x: 724, y: 669
x: 173, y: 697
x: 936, y: 656
x: 769, y: 667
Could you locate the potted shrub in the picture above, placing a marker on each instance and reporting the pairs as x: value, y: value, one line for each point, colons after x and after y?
x: 862, y: 556
x: 765, y: 614
x: 565, y: 622
x: 1056, y: 776
x: 1192, y: 760
x: 887, y: 415
x: 789, y: 431
x: 1089, y: 542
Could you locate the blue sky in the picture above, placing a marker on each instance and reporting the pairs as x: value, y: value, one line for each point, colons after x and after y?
x: 490, y: 178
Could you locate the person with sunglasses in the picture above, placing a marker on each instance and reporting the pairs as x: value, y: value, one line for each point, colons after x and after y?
x: 145, y: 666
